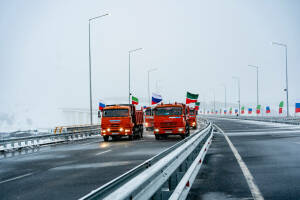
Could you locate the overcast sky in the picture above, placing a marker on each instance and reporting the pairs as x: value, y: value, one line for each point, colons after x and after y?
x: 195, y: 45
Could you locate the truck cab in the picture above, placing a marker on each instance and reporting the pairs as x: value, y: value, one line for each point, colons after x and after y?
x: 149, y: 121
x: 193, y: 118
x: 121, y: 121
x: 171, y: 119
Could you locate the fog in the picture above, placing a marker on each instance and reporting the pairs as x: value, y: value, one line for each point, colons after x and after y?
x: 196, y: 46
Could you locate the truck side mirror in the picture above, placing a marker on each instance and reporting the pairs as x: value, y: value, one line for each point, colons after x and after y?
x: 99, y: 114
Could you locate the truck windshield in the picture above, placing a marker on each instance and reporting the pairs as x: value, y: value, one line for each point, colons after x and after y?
x: 115, y: 113
x: 192, y: 112
x: 168, y: 111
x: 148, y: 112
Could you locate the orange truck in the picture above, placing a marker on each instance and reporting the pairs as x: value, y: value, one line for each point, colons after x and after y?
x: 149, y: 122
x: 193, y: 118
x: 122, y: 120
x: 171, y: 119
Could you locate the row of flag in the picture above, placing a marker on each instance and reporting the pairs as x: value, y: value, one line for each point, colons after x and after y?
x: 258, y: 109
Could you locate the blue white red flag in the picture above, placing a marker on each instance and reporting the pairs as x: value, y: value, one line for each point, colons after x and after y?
x: 156, y: 98
x: 297, y: 107
x: 101, y: 106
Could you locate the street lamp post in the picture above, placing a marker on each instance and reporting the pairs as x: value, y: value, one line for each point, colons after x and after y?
x: 286, y: 77
x: 90, y: 66
x: 238, y: 80
x: 257, y: 98
x: 129, y: 53
x: 150, y: 70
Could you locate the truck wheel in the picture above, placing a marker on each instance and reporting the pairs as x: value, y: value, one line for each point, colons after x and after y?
x: 157, y: 137
x: 130, y: 137
x: 105, y: 138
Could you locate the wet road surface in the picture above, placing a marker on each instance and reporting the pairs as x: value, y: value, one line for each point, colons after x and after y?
x: 270, y: 151
x: 70, y: 171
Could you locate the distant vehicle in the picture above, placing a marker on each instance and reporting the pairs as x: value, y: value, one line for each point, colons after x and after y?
x: 149, y: 121
x: 122, y: 121
x: 171, y: 119
x: 193, y: 118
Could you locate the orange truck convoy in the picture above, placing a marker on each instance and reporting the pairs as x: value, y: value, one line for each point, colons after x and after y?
x: 171, y: 119
x: 192, y: 118
x: 149, y: 119
x: 122, y: 120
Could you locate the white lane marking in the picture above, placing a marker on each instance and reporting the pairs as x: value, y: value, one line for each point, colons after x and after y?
x: 97, y: 154
x: 15, y: 178
x: 296, y: 142
x: 247, y: 174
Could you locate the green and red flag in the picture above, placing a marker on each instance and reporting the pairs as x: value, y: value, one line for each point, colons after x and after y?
x: 258, y: 109
x: 243, y: 110
x: 135, y: 100
x: 280, y: 107
x: 230, y: 111
x: 191, y: 98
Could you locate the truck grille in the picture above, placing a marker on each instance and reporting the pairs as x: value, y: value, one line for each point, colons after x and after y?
x: 115, y: 125
x: 167, y: 124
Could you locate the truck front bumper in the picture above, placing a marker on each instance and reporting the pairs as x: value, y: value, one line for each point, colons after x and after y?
x: 170, y: 131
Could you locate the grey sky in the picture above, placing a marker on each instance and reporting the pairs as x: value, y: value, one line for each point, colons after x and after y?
x: 196, y: 46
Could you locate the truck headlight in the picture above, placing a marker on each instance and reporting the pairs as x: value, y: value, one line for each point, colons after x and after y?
x: 180, y: 129
x: 156, y: 130
x: 127, y: 130
x: 193, y: 124
x: 108, y: 129
x: 103, y: 131
x: 121, y: 129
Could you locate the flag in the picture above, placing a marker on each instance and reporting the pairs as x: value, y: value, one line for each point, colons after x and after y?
x: 197, y: 104
x: 236, y: 111
x: 230, y: 111
x: 268, y: 110
x: 297, y: 107
x: 249, y: 110
x: 225, y: 111
x: 101, y: 106
x: 243, y: 110
x: 191, y: 98
x: 156, y: 98
x: 258, y: 109
x: 280, y: 107
x: 135, y: 101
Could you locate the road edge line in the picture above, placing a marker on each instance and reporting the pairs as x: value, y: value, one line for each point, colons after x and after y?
x: 256, y: 194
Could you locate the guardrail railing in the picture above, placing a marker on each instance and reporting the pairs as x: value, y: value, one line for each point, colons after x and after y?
x: 285, y: 120
x: 169, y: 174
x: 70, y: 133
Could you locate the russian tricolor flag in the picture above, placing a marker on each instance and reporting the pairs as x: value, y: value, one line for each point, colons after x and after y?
x: 249, y: 110
x: 268, y: 110
x: 101, y: 106
x: 297, y: 108
x: 156, y: 98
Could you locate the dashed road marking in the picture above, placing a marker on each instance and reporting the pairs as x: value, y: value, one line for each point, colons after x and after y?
x: 247, y: 174
x: 103, y: 152
x: 15, y: 178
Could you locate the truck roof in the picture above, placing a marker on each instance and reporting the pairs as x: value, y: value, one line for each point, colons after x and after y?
x: 116, y: 107
x: 171, y: 105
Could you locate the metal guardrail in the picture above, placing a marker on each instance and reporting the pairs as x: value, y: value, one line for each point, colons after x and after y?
x: 169, y: 174
x: 285, y: 120
x: 71, y: 133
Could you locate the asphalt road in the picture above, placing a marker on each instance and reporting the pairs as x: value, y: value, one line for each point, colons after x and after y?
x: 271, y: 152
x: 69, y: 171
